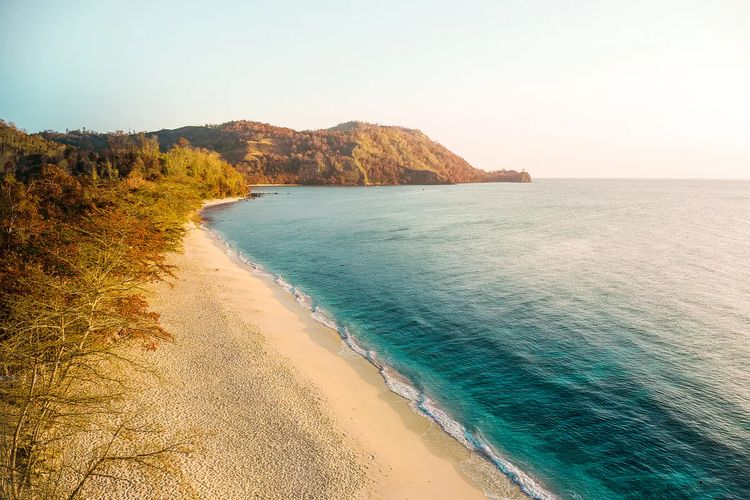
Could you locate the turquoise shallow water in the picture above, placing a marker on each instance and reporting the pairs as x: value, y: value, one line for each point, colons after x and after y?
x: 592, y: 337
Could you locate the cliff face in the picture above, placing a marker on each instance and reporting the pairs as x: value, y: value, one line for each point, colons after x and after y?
x: 352, y: 153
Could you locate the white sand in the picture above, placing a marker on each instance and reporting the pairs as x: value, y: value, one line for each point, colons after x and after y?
x: 285, y: 409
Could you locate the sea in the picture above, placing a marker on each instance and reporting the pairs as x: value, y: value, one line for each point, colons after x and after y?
x: 590, y: 338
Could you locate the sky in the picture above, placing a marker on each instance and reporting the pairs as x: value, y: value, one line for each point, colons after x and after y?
x: 561, y: 88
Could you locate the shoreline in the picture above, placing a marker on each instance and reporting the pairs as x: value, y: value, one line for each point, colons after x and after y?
x: 389, y: 429
x: 220, y: 201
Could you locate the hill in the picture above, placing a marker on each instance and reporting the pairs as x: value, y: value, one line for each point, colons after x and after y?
x: 352, y: 153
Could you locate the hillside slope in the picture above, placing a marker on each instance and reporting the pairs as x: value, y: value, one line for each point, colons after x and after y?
x: 353, y: 153
x: 350, y: 153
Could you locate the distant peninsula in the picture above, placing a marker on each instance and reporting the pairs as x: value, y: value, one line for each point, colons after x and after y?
x: 352, y: 153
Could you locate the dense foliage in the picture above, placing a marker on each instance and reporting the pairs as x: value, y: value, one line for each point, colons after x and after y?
x: 351, y: 153
x: 82, y: 230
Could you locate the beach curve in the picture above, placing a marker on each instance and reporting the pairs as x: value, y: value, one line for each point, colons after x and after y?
x: 282, y: 407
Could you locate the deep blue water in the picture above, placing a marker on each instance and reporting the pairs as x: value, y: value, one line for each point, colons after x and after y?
x: 595, y: 334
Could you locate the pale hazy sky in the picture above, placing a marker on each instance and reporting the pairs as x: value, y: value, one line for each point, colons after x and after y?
x: 563, y: 88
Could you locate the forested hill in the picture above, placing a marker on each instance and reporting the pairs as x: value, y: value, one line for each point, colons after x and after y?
x: 83, y: 230
x: 352, y: 153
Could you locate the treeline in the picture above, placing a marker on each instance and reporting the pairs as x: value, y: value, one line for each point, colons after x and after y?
x: 353, y: 153
x: 82, y: 231
x: 119, y: 155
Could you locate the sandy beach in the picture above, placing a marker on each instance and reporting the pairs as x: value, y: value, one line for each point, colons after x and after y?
x: 284, y: 409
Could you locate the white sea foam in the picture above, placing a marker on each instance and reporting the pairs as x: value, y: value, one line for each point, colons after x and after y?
x: 400, y: 385
x: 426, y: 406
x: 527, y: 484
x: 283, y: 284
x: 353, y: 345
x: 248, y: 262
x: 321, y: 316
x: 301, y: 297
x: 448, y: 424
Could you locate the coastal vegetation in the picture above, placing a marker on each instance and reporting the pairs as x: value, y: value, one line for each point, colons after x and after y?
x: 352, y: 153
x: 82, y: 231
x: 85, y: 221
